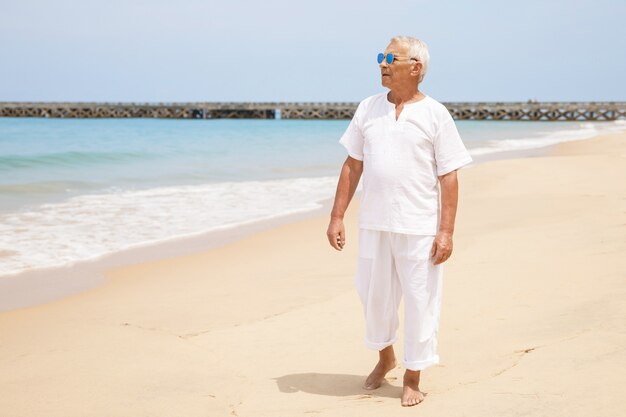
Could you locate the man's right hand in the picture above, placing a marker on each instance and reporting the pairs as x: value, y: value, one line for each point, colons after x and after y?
x: 336, y: 234
x: 351, y: 171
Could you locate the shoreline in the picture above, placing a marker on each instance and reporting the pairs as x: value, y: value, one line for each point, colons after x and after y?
x: 42, y: 285
x: 32, y: 288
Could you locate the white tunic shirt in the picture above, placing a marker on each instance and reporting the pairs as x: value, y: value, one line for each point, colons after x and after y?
x: 401, y: 162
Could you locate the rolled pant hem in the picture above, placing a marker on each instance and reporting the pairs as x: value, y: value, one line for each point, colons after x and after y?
x: 379, y: 346
x: 421, y: 365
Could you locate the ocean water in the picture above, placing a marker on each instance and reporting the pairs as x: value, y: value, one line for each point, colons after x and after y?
x: 77, y: 189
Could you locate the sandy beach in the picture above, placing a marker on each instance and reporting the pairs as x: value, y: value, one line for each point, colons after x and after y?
x: 533, y: 318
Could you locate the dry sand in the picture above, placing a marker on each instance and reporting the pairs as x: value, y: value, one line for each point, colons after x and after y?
x: 533, y: 319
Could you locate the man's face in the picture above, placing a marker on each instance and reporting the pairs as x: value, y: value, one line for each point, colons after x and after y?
x: 402, y: 70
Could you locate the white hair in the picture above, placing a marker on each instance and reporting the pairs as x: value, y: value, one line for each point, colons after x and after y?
x: 417, y: 49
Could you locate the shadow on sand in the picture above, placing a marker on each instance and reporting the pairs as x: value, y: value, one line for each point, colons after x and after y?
x: 336, y: 385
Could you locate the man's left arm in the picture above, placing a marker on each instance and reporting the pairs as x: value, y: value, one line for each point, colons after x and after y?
x: 442, y: 245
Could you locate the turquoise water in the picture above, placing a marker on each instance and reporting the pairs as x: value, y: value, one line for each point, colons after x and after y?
x: 75, y: 189
x: 46, y: 160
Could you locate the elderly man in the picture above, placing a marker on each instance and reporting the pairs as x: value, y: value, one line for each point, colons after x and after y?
x: 407, y: 147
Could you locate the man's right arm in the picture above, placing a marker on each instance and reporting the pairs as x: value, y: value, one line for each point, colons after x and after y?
x: 348, y: 180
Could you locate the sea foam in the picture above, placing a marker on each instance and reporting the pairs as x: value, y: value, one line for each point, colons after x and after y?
x: 546, y: 138
x: 90, y: 226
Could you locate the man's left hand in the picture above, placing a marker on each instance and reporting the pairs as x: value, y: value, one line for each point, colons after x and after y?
x: 442, y: 247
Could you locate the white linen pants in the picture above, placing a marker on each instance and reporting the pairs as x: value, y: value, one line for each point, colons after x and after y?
x: 392, y: 265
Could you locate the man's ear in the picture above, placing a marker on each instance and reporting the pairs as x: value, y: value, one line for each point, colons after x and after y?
x: 417, y: 69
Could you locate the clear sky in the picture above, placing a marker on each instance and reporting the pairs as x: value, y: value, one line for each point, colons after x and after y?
x: 315, y: 50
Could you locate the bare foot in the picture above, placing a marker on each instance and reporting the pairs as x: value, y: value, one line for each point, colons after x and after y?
x: 386, y: 362
x: 411, y: 394
x: 375, y: 379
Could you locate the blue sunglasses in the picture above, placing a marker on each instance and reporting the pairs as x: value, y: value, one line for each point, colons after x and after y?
x: 389, y: 58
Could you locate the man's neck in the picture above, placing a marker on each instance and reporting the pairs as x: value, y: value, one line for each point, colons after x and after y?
x: 404, y: 96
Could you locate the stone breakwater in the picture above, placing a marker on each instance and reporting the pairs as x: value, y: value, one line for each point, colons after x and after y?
x: 532, y: 110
